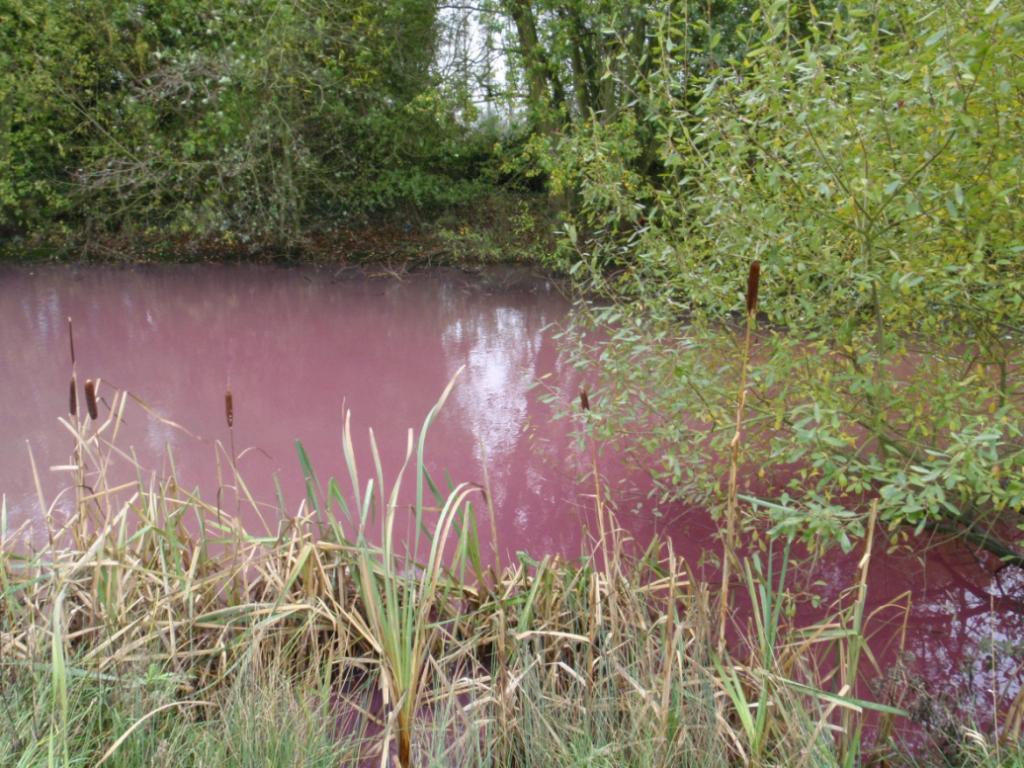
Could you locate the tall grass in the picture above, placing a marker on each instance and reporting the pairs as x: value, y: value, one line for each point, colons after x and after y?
x: 152, y: 628
x: 398, y: 596
x: 265, y: 717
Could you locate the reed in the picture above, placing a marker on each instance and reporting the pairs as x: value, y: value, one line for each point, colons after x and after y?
x: 732, y: 507
x: 425, y: 658
x: 401, y: 598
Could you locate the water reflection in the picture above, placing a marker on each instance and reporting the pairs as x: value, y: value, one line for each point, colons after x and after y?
x: 499, y: 350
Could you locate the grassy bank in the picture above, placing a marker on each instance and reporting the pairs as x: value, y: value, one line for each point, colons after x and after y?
x: 150, y: 628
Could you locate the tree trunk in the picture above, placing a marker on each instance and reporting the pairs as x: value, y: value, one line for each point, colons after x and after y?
x: 544, y: 90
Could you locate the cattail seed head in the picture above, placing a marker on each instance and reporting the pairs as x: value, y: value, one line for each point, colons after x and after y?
x: 90, y: 399
x: 584, y: 400
x: 73, y: 397
x: 71, y: 340
x: 229, y: 408
x: 753, y: 283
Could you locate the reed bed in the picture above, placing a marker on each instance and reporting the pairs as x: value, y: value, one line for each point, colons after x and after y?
x: 152, y: 628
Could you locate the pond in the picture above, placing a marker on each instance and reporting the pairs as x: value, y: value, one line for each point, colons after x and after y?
x: 298, y: 346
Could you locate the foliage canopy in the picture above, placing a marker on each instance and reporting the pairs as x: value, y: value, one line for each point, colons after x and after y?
x: 252, y: 117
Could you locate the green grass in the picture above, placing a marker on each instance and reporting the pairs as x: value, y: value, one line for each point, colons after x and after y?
x: 264, y: 718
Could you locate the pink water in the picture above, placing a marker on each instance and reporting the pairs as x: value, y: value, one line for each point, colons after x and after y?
x: 297, y: 346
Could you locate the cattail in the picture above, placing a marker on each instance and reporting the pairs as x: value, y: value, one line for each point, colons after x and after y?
x: 753, y: 283
x: 229, y: 408
x: 71, y: 341
x: 584, y: 400
x: 73, y: 397
x: 90, y: 399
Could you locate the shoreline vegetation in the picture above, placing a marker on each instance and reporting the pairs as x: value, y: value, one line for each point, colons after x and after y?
x: 503, y: 227
x: 150, y: 628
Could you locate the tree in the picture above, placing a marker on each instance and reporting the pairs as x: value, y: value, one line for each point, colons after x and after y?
x: 248, y: 118
x: 870, y: 160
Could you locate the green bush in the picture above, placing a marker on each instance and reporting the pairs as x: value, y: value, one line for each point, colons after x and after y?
x: 870, y: 160
x: 253, y: 118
